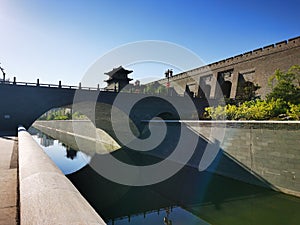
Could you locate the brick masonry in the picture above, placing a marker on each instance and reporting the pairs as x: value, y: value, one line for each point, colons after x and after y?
x: 268, y: 150
x: 255, y: 66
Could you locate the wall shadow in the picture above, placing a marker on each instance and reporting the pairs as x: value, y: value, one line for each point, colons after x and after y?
x: 207, y: 194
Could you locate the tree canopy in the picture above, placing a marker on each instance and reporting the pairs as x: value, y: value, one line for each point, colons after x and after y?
x: 287, y: 85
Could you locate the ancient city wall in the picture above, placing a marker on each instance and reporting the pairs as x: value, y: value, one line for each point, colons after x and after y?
x: 255, y: 66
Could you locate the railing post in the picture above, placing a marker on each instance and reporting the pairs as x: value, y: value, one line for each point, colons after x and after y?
x: 38, y: 82
x: 14, y: 82
x: 98, y: 87
x: 79, y: 85
x: 59, y: 84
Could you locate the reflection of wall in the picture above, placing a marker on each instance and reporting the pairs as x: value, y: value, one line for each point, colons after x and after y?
x: 87, y: 139
x: 46, y: 141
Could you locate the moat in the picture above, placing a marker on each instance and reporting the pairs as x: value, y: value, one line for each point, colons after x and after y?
x: 189, y: 197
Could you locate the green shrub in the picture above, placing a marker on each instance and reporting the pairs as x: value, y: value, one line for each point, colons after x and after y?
x: 294, y: 111
x: 250, y: 110
x: 282, y: 103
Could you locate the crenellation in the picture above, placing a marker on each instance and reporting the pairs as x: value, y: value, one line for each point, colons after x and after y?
x: 221, y: 62
x: 254, y: 53
x: 228, y: 60
x: 238, y: 57
x: 200, y: 69
x: 247, y: 54
x: 269, y: 47
x: 212, y: 65
x: 258, y: 50
x: 205, y: 69
x: 295, y: 39
x: 285, y: 52
x: 280, y: 44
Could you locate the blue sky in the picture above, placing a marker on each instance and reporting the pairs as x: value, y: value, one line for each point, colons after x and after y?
x: 59, y: 40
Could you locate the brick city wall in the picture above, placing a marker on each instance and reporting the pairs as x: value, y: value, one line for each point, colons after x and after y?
x: 255, y: 66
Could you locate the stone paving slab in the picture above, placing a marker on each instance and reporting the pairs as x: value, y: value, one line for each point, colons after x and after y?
x: 7, y: 216
x: 6, y: 149
x: 8, y: 181
x: 8, y: 193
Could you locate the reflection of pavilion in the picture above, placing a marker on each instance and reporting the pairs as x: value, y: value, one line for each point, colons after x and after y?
x: 71, y: 153
x: 166, y: 219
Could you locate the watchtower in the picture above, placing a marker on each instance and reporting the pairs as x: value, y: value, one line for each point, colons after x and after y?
x: 118, y: 79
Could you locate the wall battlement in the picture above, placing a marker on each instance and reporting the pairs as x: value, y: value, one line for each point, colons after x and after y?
x: 279, y: 46
x: 265, y: 60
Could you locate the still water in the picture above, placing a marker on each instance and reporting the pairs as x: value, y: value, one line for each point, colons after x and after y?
x: 187, y: 198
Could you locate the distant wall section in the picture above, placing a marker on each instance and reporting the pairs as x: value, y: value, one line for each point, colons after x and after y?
x: 255, y: 66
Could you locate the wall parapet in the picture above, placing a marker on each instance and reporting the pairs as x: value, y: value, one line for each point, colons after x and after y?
x: 259, y: 52
x: 265, y: 50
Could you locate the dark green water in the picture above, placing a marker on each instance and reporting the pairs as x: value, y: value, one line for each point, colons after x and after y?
x: 187, y: 198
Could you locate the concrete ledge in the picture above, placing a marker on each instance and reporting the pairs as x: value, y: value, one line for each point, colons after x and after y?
x: 46, y: 195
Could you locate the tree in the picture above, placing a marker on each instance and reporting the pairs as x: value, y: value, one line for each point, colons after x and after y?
x: 286, y: 85
x: 295, y: 70
x: 246, y: 92
x: 156, y: 88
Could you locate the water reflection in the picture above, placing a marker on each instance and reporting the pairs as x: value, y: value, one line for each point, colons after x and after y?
x: 165, y: 216
x: 121, y: 204
x: 193, y: 197
x: 71, y: 153
x: 66, y: 158
x: 189, y: 197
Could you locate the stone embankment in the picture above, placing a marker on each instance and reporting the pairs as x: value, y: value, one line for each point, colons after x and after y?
x: 46, y: 195
x: 268, y: 149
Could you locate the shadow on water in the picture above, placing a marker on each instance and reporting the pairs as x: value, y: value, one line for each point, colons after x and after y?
x: 188, y: 197
x: 213, y: 198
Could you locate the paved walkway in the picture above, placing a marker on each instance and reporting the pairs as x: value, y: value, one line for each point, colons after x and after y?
x: 8, y: 181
